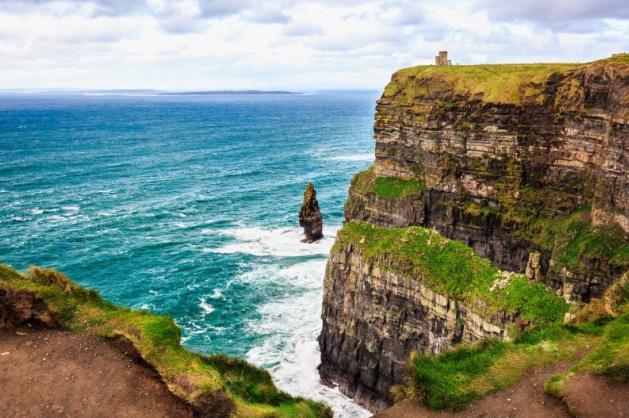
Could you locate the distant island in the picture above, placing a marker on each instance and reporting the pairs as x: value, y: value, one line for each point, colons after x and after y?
x: 178, y: 93
x: 146, y: 91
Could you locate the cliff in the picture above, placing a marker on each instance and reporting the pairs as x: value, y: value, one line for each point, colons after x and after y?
x: 526, y: 165
x: 210, y: 386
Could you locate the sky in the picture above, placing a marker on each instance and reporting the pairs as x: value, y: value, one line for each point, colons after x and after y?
x: 287, y: 44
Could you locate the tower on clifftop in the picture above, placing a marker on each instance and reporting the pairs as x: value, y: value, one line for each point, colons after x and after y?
x: 442, y: 58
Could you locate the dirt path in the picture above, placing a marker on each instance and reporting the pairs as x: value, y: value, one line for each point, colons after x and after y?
x: 524, y: 399
x: 592, y: 396
x: 51, y: 373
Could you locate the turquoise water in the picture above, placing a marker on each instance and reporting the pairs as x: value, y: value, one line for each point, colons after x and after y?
x: 187, y: 206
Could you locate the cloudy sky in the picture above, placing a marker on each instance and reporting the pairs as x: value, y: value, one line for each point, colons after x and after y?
x: 287, y: 44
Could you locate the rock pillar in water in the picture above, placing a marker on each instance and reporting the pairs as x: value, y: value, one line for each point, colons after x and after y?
x: 310, y: 216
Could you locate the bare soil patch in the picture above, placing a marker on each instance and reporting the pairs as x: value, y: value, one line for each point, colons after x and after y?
x: 52, y: 373
x: 589, y: 396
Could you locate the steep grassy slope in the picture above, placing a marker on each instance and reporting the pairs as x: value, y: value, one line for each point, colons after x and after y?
x: 451, y: 269
x: 215, y: 385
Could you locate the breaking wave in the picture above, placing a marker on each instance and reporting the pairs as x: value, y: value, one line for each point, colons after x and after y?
x: 278, y: 242
x: 288, y: 327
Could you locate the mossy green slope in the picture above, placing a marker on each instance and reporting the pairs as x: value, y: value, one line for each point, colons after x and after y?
x: 189, y: 375
x: 390, y: 188
x: 452, y: 269
x: 610, y: 356
x: 471, y: 371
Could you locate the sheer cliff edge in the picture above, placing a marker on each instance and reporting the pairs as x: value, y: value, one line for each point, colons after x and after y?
x: 498, y: 204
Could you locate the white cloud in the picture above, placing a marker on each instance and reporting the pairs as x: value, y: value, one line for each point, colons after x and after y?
x: 287, y: 44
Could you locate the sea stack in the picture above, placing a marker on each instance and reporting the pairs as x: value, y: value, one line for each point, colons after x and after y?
x: 310, y: 216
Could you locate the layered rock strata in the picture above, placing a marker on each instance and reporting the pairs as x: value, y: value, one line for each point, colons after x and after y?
x: 526, y: 164
x: 497, y: 172
x: 373, y: 319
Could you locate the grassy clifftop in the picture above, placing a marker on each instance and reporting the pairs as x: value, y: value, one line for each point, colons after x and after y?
x: 491, y: 83
x: 209, y: 383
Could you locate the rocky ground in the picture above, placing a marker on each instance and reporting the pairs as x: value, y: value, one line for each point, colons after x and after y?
x: 51, y: 373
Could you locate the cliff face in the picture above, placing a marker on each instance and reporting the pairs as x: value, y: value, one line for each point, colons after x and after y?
x: 526, y: 164
x: 374, y: 319
x: 499, y: 171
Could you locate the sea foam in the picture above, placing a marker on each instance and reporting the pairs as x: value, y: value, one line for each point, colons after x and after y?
x: 353, y: 157
x: 288, y: 327
x: 205, y: 307
x: 278, y: 242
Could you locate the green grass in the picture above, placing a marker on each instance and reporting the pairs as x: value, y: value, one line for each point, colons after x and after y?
x: 452, y: 269
x: 491, y: 83
x: 468, y: 372
x: 619, y: 58
x: 396, y: 188
x: 611, y: 357
x: 190, y: 375
x: 386, y: 187
x: 471, y: 371
x: 576, y: 241
x: 497, y: 83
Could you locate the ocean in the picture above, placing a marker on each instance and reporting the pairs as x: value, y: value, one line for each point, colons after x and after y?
x: 187, y: 205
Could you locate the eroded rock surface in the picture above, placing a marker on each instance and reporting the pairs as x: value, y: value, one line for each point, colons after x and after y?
x: 310, y: 216
x: 373, y: 319
x: 497, y: 173
x: 19, y: 307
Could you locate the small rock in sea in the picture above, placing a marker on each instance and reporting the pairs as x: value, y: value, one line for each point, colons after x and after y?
x: 310, y: 216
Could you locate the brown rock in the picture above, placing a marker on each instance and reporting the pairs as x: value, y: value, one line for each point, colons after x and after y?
x: 491, y: 168
x: 310, y: 216
x: 19, y: 307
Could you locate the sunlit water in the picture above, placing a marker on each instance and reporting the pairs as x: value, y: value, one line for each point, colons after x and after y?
x: 187, y: 206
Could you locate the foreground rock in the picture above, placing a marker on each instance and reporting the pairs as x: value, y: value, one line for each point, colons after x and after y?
x: 310, y: 216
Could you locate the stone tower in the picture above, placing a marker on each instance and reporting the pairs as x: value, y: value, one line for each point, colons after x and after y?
x: 442, y: 58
